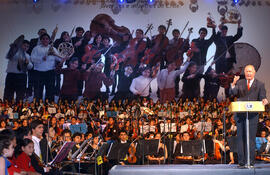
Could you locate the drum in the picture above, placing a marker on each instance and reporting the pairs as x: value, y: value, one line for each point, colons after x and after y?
x: 246, y: 54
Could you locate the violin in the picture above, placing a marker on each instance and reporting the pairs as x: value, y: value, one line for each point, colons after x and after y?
x: 193, y: 48
x: 217, y: 154
x: 91, y: 53
x: 104, y: 24
x: 132, y: 151
x: 116, y: 62
x: 226, y: 79
x: 154, y: 55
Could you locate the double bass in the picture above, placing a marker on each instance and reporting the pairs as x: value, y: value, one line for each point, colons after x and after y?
x: 104, y: 24
x: 154, y: 54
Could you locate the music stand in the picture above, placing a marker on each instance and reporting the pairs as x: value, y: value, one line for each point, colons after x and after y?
x: 190, y: 148
x: 147, y: 147
x: 118, y: 151
x: 62, y: 153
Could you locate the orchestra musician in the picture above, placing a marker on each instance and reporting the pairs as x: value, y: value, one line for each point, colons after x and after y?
x: 225, y: 55
x: 211, y: 85
x: 44, y: 65
x: 69, y: 89
x: 191, y: 82
x: 31, y: 73
x: 140, y: 86
x: 63, y: 38
x: 162, y: 153
x: 126, y: 75
x: 92, y: 51
x: 16, y: 77
x: 94, y: 80
x: 176, y: 44
x: 166, y: 81
x: 156, y: 52
x: 202, y: 44
x: 41, y: 155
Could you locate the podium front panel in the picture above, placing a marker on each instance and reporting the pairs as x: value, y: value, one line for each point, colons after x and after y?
x: 246, y: 106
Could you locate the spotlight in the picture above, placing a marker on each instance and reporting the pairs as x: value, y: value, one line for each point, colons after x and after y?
x: 236, y: 1
x: 151, y: 1
x: 35, y: 1
x: 121, y: 1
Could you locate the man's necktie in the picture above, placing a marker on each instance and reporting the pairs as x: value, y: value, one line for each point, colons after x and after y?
x: 248, y: 85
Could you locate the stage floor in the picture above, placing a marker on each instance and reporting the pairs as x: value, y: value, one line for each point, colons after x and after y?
x: 217, y: 169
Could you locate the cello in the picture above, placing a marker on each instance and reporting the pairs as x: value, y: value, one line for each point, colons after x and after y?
x: 154, y: 54
x: 135, y: 47
x: 104, y: 24
x: 176, y: 52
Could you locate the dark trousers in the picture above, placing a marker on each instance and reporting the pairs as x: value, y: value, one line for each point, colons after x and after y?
x: 57, y: 84
x: 240, y: 119
x: 31, y: 74
x: 15, y: 83
x: 177, y: 80
x: 224, y: 65
x: 44, y: 79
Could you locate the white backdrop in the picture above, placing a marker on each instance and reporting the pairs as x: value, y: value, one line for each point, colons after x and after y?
x: 22, y: 18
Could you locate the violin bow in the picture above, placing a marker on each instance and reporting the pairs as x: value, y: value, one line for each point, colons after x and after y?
x: 72, y: 31
x: 105, y: 53
x: 184, y: 29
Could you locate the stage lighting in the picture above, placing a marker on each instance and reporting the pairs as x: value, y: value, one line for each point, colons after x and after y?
x: 151, y: 1
x: 121, y: 1
x: 35, y: 1
x: 236, y: 1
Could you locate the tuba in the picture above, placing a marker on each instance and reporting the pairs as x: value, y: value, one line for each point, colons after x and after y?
x: 232, y: 16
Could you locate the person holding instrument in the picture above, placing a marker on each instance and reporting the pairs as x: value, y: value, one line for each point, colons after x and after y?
x: 248, y: 89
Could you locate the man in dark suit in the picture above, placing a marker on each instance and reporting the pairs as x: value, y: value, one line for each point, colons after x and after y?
x: 248, y: 89
x: 225, y: 52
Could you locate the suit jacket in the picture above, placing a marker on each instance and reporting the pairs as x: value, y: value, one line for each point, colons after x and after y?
x: 257, y: 91
x: 223, y: 43
x: 43, y: 148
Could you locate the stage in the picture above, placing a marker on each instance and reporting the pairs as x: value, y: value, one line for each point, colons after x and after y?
x: 217, y: 169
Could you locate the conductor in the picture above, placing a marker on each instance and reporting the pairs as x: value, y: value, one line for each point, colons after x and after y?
x: 248, y: 89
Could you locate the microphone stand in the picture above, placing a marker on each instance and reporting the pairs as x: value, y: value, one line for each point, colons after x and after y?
x: 47, y: 144
x: 202, y: 131
x: 99, y: 135
x: 224, y: 130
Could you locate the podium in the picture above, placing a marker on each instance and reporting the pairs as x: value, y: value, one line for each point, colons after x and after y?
x: 246, y: 107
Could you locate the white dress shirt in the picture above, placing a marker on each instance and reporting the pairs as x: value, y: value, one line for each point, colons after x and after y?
x: 166, y: 79
x: 37, y: 146
x: 140, y: 85
x: 37, y: 55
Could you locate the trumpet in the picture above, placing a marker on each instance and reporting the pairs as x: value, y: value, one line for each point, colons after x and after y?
x: 232, y: 16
